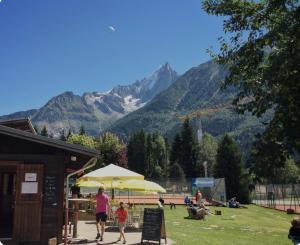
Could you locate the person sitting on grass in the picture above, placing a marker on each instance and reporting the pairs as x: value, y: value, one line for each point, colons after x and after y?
x: 215, y: 202
x: 122, y: 214
x: 196, y: 212
x: 201, y: 205
x: 233, y: 203
x: 187, y: 200
x: 192, y: 207
x: 172, y: 205
x: 201, y: 213
x: 294, y: 232
x: 161, y: 200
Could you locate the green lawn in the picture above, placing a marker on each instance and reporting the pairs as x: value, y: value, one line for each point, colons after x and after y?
x: 254, y: 225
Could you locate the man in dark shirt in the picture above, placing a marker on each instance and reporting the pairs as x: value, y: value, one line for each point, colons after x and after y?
x: 294, y: 232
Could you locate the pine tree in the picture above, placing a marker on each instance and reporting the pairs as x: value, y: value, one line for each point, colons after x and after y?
x: 62, y: 135
x: 188, y: 154
x: 176, y: 149
x: 176, y: 172
x: 136, y: 152
x: 229, y: 166
x: 82, y: 130
x: 44, y: 131
x: 149, y: 156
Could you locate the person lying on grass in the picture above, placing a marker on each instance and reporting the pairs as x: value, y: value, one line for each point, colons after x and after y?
x: 233, y: 203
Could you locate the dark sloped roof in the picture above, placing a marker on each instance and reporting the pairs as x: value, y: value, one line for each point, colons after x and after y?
x: 23, y: 124
x: 17, y: 133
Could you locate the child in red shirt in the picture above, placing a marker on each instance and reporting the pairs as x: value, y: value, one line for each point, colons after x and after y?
x: 122, y: 214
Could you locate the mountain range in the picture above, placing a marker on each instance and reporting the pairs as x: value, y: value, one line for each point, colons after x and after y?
x: 96, y: 111
x: 198, y: 89
x: 156, y: 103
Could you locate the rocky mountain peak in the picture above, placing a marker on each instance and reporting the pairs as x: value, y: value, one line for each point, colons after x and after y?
x: 97, y: 110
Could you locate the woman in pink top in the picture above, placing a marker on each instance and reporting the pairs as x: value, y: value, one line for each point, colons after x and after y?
x: 102, y: 207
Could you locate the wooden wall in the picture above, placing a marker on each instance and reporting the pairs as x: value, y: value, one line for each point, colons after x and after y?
x: 51, y: 221
x: 53, y: 164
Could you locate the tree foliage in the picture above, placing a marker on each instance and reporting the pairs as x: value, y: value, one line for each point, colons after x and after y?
x: 160, y: 156
x: 184, y: 150
x: 208, y: 148
x: 84, y: 140
x: 289, y: 173
x: 262, y: 56
x: 229, y: 166
x: 177, y: 172
x: 176, y: 149
x: 112, y: 149
x: 122, y: 158
x: 188, y: 152
x: 44, y: 131
x: 136, y: 152
x: 147, y: 154
x: 286, y: 174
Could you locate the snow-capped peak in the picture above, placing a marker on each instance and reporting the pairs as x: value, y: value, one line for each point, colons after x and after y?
x: 128, y: 98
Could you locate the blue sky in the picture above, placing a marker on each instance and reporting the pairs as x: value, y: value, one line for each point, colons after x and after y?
x: 51, y: 46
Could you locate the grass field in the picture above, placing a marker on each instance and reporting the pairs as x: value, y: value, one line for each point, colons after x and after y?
x: 254, y: 225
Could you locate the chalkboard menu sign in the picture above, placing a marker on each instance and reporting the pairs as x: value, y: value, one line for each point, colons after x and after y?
x: 153, y: 225
x: 50, y: 196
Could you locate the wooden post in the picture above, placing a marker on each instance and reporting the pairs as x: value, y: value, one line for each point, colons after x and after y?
x: 76, y: 208
x: 66, y: 226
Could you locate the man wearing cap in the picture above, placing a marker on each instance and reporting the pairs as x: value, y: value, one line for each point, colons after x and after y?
x: 102, y: 207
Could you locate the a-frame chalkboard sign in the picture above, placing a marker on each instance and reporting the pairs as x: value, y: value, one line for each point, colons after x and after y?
x: 154, y: 228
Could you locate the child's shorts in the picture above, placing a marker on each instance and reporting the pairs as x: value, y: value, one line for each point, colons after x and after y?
x: 122, y: 225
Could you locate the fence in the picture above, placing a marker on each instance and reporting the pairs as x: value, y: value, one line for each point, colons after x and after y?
x: 176, y: 189
x: 185, y: 187
x: 277, y: 196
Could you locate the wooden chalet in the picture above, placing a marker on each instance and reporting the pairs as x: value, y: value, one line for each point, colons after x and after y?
x: 32, y: 175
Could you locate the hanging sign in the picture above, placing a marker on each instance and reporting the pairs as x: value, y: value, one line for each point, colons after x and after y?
x: 29, y: 188
x: 30, y: 177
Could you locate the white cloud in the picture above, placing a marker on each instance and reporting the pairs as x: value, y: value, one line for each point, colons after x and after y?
x: 109, y: 27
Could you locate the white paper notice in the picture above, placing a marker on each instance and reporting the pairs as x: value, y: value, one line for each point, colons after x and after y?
x: 29, y: 188
x: 30, y: 177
